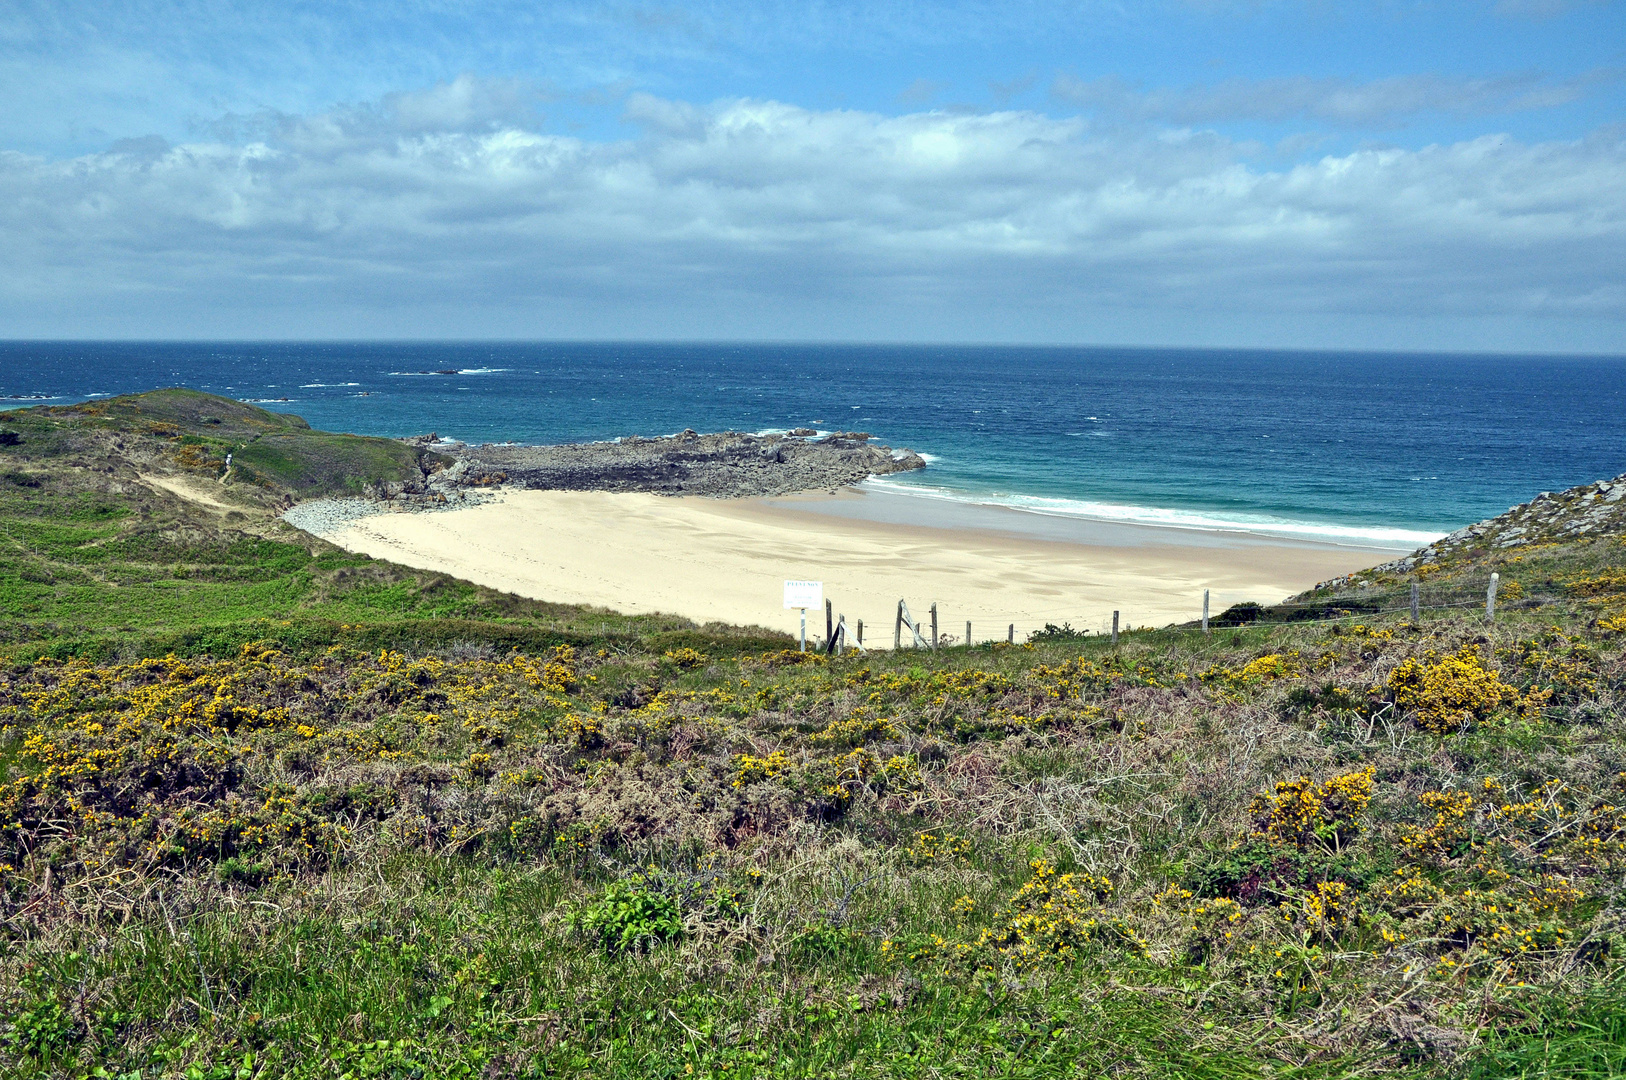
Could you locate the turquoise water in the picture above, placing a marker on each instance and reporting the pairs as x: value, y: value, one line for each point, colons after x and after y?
x: 1377, y: 449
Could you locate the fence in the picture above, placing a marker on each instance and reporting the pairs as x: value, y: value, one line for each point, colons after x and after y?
x: 1414, y: 600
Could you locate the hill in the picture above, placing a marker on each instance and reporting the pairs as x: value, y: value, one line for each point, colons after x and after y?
x: 123, y: 531
x: 1587, y: 511
x: 1325, y: 842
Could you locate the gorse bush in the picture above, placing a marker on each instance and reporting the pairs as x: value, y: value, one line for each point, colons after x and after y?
x: 1448, y: 693
x: 1303, y: 814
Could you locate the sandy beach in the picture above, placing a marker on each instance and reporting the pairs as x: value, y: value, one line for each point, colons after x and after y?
x: 726, y: 560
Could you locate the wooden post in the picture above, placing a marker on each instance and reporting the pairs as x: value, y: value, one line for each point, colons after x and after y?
x: 1115, y: 628
x: 1010, y: 635
x: 897, y: 629
x: 1205, y: 611
x: 838, y: 638
x: 829, y: 624
x: 1416, y: 591
x: 934, y: 626
x: 1490, y: 598
x: 968, y: 633
x: 860, y: 633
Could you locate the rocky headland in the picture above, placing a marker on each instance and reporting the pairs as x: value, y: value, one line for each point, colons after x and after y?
x: 1596, y: 509
x: 724, y: 465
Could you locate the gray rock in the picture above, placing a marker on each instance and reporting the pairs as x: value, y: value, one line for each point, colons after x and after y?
x: 728, y: 464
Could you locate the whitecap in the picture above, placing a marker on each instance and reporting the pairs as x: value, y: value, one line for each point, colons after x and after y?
x: 1382, y: 536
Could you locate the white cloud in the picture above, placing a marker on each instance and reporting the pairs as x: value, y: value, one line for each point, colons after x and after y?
x: 751, y: 217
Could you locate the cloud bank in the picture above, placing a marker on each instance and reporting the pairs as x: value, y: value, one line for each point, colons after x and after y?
x: 445, y: 212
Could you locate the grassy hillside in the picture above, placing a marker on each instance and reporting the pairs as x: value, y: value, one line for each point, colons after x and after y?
x: 1363, y: 846
x: 123, y: 533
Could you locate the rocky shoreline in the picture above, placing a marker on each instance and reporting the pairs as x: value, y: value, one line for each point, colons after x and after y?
x: 724, y: 465
x: 1595, y: 509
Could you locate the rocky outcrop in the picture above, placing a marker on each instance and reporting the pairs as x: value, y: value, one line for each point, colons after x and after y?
x: 725, y: 465
x: 1597, y: 509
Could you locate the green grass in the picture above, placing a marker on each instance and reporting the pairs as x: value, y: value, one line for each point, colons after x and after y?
x: 442, y: 972
x: 323, y: 463
x: 1558, y: 1037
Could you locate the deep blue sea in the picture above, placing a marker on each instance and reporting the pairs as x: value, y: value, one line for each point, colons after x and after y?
x: 1385, y: 449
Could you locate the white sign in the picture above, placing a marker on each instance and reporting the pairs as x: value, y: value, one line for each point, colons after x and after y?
x: 804, y: 594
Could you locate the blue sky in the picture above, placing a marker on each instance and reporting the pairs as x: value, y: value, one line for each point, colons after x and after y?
x: 1389, y: 175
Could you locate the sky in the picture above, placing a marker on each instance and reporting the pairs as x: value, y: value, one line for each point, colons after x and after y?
x: 1389, y: 175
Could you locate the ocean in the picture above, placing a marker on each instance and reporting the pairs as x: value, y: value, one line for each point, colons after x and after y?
x: 1369, y: 449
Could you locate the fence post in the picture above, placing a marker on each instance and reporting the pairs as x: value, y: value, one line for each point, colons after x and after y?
x: 860, y: 633
x: 1490, y: 598
x: 1205, y: 611
x: 804, y: 629
x: 897, y: 629
x: 838, y: 638
x: 1115, y: 628
x: 1010, y: 635
x: 829, y: 624
x: 968, y: 633
x: 934, y: 626
x: 1416, y: 591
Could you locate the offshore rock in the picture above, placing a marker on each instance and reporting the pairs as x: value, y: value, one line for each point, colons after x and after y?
x: 723, y: 465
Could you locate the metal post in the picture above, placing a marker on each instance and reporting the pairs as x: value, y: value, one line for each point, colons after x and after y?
x: 934, y: 626
x: 804, y: 629
x: 1205, y: 611
x: 1490, y: 598
x: 968, y: 633
x: 897, y: 629
x: 1115, y: 628
x: 1416, y: 596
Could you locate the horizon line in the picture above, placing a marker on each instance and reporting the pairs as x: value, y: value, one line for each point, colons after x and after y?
x: 820, y: 343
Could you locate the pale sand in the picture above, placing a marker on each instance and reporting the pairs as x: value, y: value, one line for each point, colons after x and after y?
x: 727, y: 561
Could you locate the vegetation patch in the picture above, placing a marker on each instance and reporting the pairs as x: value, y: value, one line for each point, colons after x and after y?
x: 270, y: 810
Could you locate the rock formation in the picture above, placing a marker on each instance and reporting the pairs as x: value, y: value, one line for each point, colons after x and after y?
x: 1596, y: 509
x: 728, y: 464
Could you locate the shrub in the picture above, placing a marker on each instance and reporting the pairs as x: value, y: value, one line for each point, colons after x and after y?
x: 1305, y: 815
x: 1054, y: 633
x: 1448, y: 693
x: 685, y: 658
x: 1240, y: 614
x: 44, y: 1030
x: 1051, y: 916
x: 630, y: 917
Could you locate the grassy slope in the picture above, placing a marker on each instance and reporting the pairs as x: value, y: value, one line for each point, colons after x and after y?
x: 98, y: 559
x: 634, y: 860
